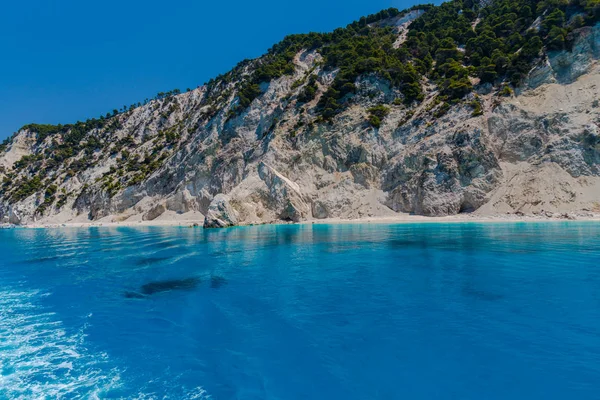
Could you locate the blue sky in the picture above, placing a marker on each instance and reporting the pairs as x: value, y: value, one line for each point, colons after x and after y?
x: 63, y: 61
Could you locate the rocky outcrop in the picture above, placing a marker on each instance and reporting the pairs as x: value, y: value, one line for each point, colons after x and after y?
x: 220, y: 213
x: 155, y: 212
x: 566, y: 66
x: 365, y: 175
x: 13, y: 217
x: 450, y: 172
x: 284, y: 195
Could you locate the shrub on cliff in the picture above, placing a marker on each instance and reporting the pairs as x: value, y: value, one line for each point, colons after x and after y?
x: 377, y: 114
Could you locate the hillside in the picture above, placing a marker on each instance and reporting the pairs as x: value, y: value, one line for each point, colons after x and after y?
x: 486, y: 107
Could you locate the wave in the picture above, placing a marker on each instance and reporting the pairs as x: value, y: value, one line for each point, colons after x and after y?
x: 40, y: 359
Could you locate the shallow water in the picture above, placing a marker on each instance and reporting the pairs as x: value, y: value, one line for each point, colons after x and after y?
x: 416, y: 311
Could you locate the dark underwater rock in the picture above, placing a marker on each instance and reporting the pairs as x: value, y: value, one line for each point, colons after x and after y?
x: 167, y: 285
x: 217, y: 281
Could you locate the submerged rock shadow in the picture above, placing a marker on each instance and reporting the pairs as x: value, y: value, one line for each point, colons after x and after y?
x: 220, y: 253
x: 217, y: 281
x: 151, y: 260
x: 151, y: 288
x: 481, y: 294
x: 44, y: 259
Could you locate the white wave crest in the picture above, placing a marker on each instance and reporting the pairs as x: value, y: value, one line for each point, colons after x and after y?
x: 39, y: 359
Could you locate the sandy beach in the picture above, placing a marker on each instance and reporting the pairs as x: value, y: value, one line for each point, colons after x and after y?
x: 197, y: 220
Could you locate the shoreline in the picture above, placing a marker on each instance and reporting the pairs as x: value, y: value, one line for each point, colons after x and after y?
x: 418, y: 219
x: 390, y: 220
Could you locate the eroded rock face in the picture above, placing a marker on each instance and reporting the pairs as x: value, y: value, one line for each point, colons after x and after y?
x: 567, y: 66
x: 554, y: 123
x: 365, y: 175
x: 182, y: 202
x: 155, y: 212
x: 445, y: 177
x: 14, y: 217
x: 320, y: 210
x: 220, y: 213
x: 284, y: 195
x: 570, y: 65
x: 276, y: 161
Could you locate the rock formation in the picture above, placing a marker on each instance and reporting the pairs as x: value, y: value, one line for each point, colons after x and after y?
x: 220, y: 214
x: 278, y: 159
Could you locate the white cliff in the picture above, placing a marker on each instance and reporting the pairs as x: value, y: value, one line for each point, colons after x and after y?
x: 189, y: 154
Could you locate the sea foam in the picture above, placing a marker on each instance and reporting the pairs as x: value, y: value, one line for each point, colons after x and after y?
x: 40, y: 359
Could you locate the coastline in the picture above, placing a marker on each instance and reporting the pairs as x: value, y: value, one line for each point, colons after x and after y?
x: 461, y: 218
x: 394, y: 219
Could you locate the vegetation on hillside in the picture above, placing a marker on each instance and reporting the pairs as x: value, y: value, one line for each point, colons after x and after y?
x: 453, y: 46
x: 74, y: 148
x: 449, y: 44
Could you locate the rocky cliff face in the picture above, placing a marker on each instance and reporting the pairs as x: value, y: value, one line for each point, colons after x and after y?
x: 195, y: 154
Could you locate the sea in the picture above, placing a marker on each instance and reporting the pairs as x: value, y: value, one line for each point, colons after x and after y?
x: 355, y: 311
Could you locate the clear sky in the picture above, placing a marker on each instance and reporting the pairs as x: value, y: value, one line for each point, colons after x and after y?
x: 68, y: 60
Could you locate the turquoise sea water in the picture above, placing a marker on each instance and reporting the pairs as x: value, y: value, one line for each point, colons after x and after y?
x: 415, y: 311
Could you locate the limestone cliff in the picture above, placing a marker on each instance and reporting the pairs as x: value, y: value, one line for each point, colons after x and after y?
x: 204, y: 153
